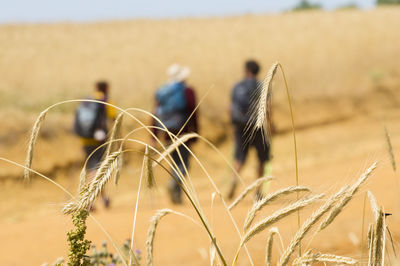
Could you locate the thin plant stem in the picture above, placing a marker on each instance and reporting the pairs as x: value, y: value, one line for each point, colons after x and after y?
x: 362, y: 226
x: 136, y: 209
x: 294, y: 144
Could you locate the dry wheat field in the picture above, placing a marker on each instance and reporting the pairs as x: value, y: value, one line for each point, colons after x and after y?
x: 343, y: 76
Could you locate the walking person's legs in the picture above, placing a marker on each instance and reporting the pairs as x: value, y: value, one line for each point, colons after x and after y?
x: 263, y: 153
x: 240, y: 155
x: 182, y: 162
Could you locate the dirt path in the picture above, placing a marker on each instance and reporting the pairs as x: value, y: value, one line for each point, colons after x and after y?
x: 32, y: 229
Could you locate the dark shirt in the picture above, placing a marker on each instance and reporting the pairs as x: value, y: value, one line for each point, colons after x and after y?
x: 243, y: 94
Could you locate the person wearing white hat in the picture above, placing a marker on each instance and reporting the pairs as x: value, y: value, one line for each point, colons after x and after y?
x: 175, y: 107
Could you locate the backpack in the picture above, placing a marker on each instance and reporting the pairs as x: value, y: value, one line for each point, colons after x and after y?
x: 87, y: 118
x: 171, y: 109
x: 242, y: 98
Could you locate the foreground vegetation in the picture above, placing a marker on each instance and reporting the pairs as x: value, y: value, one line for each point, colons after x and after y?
x: 323, y: 216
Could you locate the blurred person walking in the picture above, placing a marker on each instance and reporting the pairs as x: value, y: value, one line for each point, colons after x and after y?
x: 91, y: 125
x: 175, y: 107
x: 242, y: 95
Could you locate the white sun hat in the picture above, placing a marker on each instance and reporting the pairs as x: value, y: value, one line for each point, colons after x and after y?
x: 177, y: 73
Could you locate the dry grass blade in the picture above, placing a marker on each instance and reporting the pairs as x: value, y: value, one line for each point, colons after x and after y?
x: 311, y: 258
x: 114, y: 134
x: 248, y: 189
x: 89, y: 193
x: 270, y: 241
x: 258, y: 205
x: 148, y: 168
x: 213, y: 252
x: 390, y: 149
x: 347, y: 197
x: 391, y: 241
x: 32, y: 142
x: 312, y: 220
x: 278, y: 215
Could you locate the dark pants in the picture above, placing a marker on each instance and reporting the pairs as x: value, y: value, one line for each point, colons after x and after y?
x: 244, y: 140
x: 95, y: 159
x: 181, y: 163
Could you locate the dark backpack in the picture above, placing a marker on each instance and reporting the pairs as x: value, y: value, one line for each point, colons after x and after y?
x: 171, y: 109
x: 88, y: 118
x: 242, y: 98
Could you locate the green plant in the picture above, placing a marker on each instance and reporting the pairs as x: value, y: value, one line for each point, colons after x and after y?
x: 78, y: 245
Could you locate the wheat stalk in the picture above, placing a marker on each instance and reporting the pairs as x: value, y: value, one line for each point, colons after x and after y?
x: 114, y: 134
x: 248, y: 189
x: 347, y: 197
x: 32, y: 142
x: 311, y: 258
x: 258, y: 205
x: 278, y: 215
x: 390, y: 148
x: 312, y: 220
x: 148, y: 168
x: 270, y: 241
x: 89, y: 193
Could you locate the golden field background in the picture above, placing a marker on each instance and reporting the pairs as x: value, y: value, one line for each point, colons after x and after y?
x: 326, y: 54
x: 343, y: 71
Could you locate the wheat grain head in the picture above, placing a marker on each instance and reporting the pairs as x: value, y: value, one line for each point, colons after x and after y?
x: 32, y: 142
x: 258, y: 205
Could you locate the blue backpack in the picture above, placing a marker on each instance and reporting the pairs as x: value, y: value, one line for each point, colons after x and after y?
x: 171, y: 109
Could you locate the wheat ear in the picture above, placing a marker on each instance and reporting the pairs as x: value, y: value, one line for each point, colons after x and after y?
x: 120, y: 162
x: 261, y: 106
x: 151, y: 233
x: 278, y: 215
x: 312, y: 220
x: 370, y: 238
x: 270, y: 241
x: 114, y: 134
x: 347, y: 197
x: 378, y: 247
x: 89, y: 193
x: 311, y: 258
x: 390, y: 148
x: 148, y: 168
x: 32, y: 142
x: 258, y: 205
x: 248, y: 189
x: 174, y: 145
x: 374, y: 204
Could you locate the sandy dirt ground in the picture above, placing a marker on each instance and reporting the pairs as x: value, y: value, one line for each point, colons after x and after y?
x: 332, y: 154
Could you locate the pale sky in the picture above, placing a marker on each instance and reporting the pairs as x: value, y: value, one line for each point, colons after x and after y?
x: 12, y: 11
